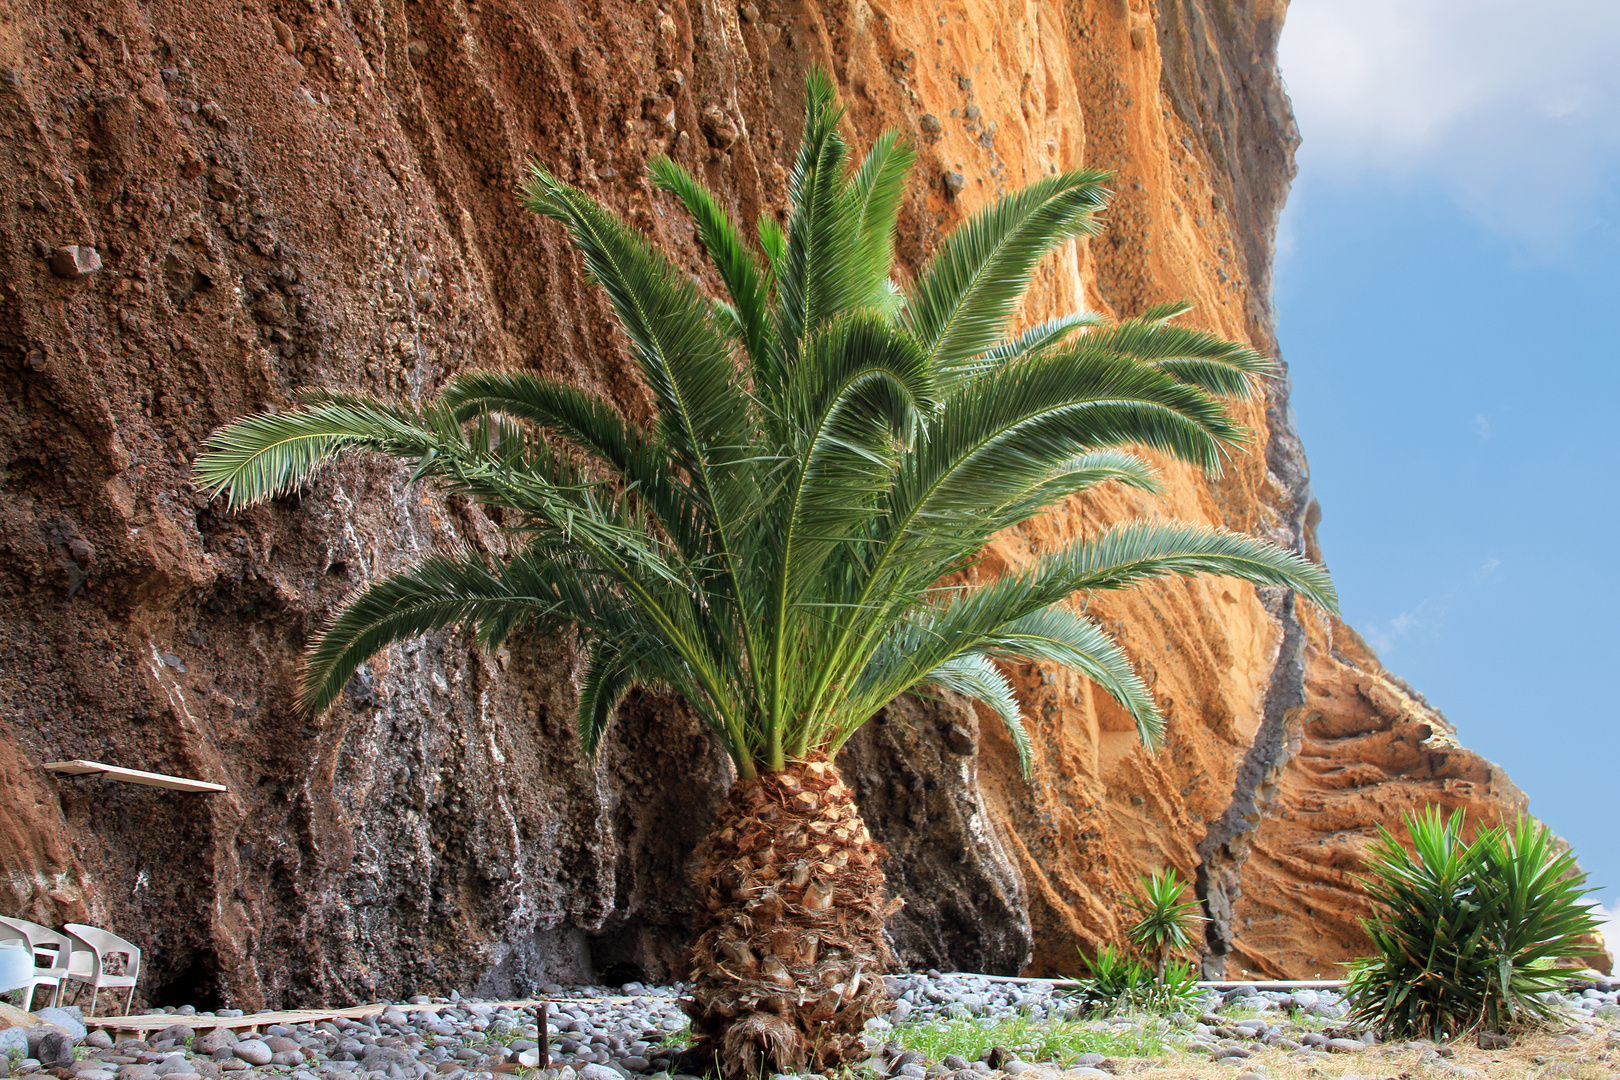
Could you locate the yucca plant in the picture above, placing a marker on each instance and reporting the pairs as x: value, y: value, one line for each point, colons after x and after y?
x: 1120, y: 981
x: 778, y: 546
x: 1166, y: 922
x: 1467, y: 935
x: 1115, y: 976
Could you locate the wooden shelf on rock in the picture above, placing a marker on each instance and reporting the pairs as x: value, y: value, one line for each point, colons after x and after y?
x: 131, y: 776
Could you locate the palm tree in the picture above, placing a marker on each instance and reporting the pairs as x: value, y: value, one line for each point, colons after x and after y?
x: 780, y: 547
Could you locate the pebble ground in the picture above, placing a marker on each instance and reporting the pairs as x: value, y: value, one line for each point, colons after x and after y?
x: 634, y: 1031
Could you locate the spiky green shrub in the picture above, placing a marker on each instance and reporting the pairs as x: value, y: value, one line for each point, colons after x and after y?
x: 1122, y: 982
x: 1166, y: 922
x: 1466, y: 935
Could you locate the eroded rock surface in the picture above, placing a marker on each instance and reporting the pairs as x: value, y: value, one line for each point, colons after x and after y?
x: 282, y: 196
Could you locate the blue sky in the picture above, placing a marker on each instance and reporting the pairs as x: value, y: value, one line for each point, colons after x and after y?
x: 1447, y: 275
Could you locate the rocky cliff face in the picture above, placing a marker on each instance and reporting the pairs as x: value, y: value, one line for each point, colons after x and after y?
x: 285, y: 194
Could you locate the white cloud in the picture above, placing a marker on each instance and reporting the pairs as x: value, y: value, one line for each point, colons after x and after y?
x: 1482, y: 426
x: 1513, y: 105
x: 1426, y: 619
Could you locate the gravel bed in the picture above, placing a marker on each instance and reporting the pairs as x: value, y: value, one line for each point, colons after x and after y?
x: 603, y: 1033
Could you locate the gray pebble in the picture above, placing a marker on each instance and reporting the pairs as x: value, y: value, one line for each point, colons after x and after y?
x: 210, y: 1041
x: 254, y: 1051
x: 54, y: 1050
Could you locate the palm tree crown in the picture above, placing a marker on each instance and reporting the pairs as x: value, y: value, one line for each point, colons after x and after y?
x: 828, y: 449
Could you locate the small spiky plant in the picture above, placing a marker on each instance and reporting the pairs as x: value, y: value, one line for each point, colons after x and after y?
x: 1165, y: 923
x: 828, y: 448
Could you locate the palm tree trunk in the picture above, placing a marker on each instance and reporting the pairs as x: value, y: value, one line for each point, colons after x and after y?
x: 789, y: 966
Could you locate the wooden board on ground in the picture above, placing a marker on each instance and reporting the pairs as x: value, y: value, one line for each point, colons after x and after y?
x: 79, y: 767
x: 1274, y: 984
x: 145, y: 1022
x: 1207, y: 984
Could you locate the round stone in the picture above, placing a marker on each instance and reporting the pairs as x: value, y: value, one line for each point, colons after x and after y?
x: 254, y: 1051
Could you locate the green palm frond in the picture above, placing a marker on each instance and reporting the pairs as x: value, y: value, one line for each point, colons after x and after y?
x: 819, y: 274
x: 441, y: 591
x: 683, y: 356
x: 853, y: 400
x: 608, y: 677
x: 594, y: 428
x: 877, y: 189
x: 260, y: 457
x: 970, y: 288
x: 747, y: 283
x: 1047, y: 335
x: 1059, y: 636
x: 1002, y: 435
x: 974, y: 676
x: 1076, y: 477
x: 1128, y: 554
x: 1205, y: 360
x: 824, y: 450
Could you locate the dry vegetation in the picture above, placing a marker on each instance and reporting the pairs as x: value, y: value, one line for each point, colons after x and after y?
x: 1548, y: 1056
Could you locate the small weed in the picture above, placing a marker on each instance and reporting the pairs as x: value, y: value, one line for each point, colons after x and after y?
x: 678, y: 1040
x: 500, y: 1033
x: 1032, y: 1040
x: 1244, y: 1012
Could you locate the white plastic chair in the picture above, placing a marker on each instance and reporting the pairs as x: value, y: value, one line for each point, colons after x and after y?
x: 16, y: 961
x: 87, y: 964
x: 50, y: 952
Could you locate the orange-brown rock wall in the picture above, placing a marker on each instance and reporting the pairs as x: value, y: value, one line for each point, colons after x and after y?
x: 295, y: 193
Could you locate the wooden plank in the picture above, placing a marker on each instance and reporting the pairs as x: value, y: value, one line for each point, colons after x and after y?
x: 1274, y: 984
x: 155, y: 1021
x: 80, y: 767
x: 1208, y: 984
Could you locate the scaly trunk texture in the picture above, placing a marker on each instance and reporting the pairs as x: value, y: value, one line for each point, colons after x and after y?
x: 789, y: 966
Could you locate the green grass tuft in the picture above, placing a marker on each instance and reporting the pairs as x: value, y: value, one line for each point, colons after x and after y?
x: 1033, y: 1041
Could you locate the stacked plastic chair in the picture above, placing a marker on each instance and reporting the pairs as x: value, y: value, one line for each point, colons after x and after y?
x: 84, y: 955
x: 49, y: 949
